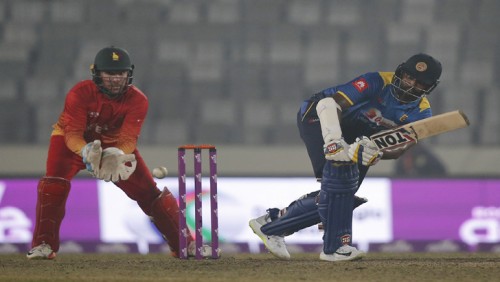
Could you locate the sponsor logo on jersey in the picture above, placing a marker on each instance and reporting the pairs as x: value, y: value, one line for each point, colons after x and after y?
x: 360, y: 84
x: 375, y: 116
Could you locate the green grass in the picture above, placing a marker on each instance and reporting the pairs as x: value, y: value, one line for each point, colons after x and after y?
x: 253, y: 267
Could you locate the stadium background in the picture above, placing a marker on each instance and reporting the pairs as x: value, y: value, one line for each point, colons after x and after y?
x: 233, y: 72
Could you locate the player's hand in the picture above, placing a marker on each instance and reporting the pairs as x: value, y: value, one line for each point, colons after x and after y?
x: 115, y: 165
x: 91, y: 156
x: 337, y: 151
x: 364, y: 151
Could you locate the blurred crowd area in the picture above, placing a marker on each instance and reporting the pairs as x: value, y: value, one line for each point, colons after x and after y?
x: 236, y: 71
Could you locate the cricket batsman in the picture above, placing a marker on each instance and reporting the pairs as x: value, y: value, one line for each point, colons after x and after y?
x: 334, y: 125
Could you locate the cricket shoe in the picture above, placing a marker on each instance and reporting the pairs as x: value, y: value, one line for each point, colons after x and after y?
x: 344, y: 253
x: 275, y: 244
x: 42, y: 251
x: 206, y: 250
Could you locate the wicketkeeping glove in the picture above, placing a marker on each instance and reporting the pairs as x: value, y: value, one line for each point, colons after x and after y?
x: 337, y: 151
x: 91, y: 156
x: 114, y: 165
x: 365, y: 151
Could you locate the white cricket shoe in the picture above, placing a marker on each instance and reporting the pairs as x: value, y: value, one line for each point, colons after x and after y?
x: 344, y: 253
x: 206, y: 250
x: 43, y: 251
x: 275, y: 244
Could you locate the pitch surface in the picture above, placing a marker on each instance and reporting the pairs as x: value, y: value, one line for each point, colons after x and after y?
x: 254, y: 267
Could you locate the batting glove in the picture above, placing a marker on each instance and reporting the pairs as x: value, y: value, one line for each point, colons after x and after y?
x: 337, y: 152
x: 364, y: 151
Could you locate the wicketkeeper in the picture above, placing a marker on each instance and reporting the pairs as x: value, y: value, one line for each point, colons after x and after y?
x: 98, y: 131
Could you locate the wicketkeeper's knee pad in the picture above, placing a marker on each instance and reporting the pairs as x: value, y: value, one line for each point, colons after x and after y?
x: 50, y: 210
x: 165, y: 216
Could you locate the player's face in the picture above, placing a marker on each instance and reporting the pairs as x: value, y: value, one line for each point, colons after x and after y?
x: 412, y: 89
x: 409, y: 82
x: 114, y: 81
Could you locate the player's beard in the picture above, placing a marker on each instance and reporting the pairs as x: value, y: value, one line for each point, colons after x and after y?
x: 115, y: 88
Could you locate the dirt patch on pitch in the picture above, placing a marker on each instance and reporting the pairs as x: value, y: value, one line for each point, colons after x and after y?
x: 262, y: 267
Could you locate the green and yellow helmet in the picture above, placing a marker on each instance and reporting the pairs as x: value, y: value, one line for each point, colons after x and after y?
x: 112, y: 59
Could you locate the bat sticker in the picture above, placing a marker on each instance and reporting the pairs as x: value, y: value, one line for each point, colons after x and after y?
x: 394, y: 138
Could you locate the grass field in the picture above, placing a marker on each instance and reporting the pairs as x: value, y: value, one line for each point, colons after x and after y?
x: 254, y: 267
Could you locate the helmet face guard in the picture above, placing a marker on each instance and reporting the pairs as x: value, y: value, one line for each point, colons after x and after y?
x: 112, y: 60
x: 424, y: 70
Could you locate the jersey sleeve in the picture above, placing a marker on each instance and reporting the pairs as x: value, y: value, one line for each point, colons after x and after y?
x: 360, y: 89
x: 74, y: 120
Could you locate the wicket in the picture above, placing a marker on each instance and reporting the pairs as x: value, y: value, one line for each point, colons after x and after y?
x: 183, y: 228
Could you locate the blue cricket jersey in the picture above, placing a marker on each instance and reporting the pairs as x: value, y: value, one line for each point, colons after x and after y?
x: 373, y: 107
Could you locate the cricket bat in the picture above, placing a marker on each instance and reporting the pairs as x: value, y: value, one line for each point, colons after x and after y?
x: 420, y: 129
